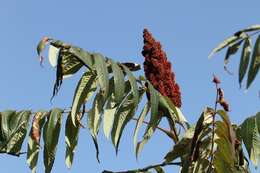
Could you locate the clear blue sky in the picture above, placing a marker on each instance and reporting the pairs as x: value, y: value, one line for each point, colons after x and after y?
x: 188, y: 30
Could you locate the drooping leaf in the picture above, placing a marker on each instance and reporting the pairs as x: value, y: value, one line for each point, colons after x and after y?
x: 83, y: 56
x: 257, y: 116
x: 198, y: 130
x: 51, y: 134
x: 94, y: 119
x: 70, y: 64
x: 71, y: 140
x: 13, y: 131
x: 255, y: 63
x: 154, y: 100
x: 180, y: 149
x: 230, y: 132
x: 53, y: 55
x: 201, y: 130
x: 59, y: 76
x: 34, y: 139
x: 251, y: 28
x: 109, y: 114
x: 244, y: 60
x: 118, y: 81
x: 154, y: 120
x: 224, y: 44
x: 225, y: 153
x: 94, y: 116
x: 123, y: 115
x: 96, y: 147
x: 224, y: 156
x: 102, y: 73
x: 133, y: 83
x: 85, y: 89
x: 225, y: 147
x: 140, y: 121
x: 221, y: 162
x: 232, y: 49
x: 174, y: 111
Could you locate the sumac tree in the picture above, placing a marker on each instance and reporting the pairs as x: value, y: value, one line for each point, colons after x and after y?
x: 212, y: 144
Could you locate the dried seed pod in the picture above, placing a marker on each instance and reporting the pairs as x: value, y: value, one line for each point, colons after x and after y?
x: 222, y: 101
x: 216, y: 80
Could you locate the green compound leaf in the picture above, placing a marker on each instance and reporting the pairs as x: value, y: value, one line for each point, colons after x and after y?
x: 51, y: 134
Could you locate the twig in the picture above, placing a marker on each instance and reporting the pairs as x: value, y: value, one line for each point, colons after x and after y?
x: 13, y: 154
x: 213, y: 129
x: 167, y: 132
x: 254, y: 33
x: 145, y: 168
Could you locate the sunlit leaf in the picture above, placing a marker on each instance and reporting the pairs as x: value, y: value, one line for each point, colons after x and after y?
x: 123, y: 115
x: 109, y: 114
x: 119, y: 82
x: 134, y: 87
x: 53, y: 55
x: 102, y: 73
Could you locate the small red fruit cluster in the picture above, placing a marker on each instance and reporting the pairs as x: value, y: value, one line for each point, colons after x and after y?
x: 158, y: 69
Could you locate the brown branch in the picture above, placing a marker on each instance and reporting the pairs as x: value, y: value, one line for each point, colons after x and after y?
x: 145, y: 168
x: 13, y: 154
